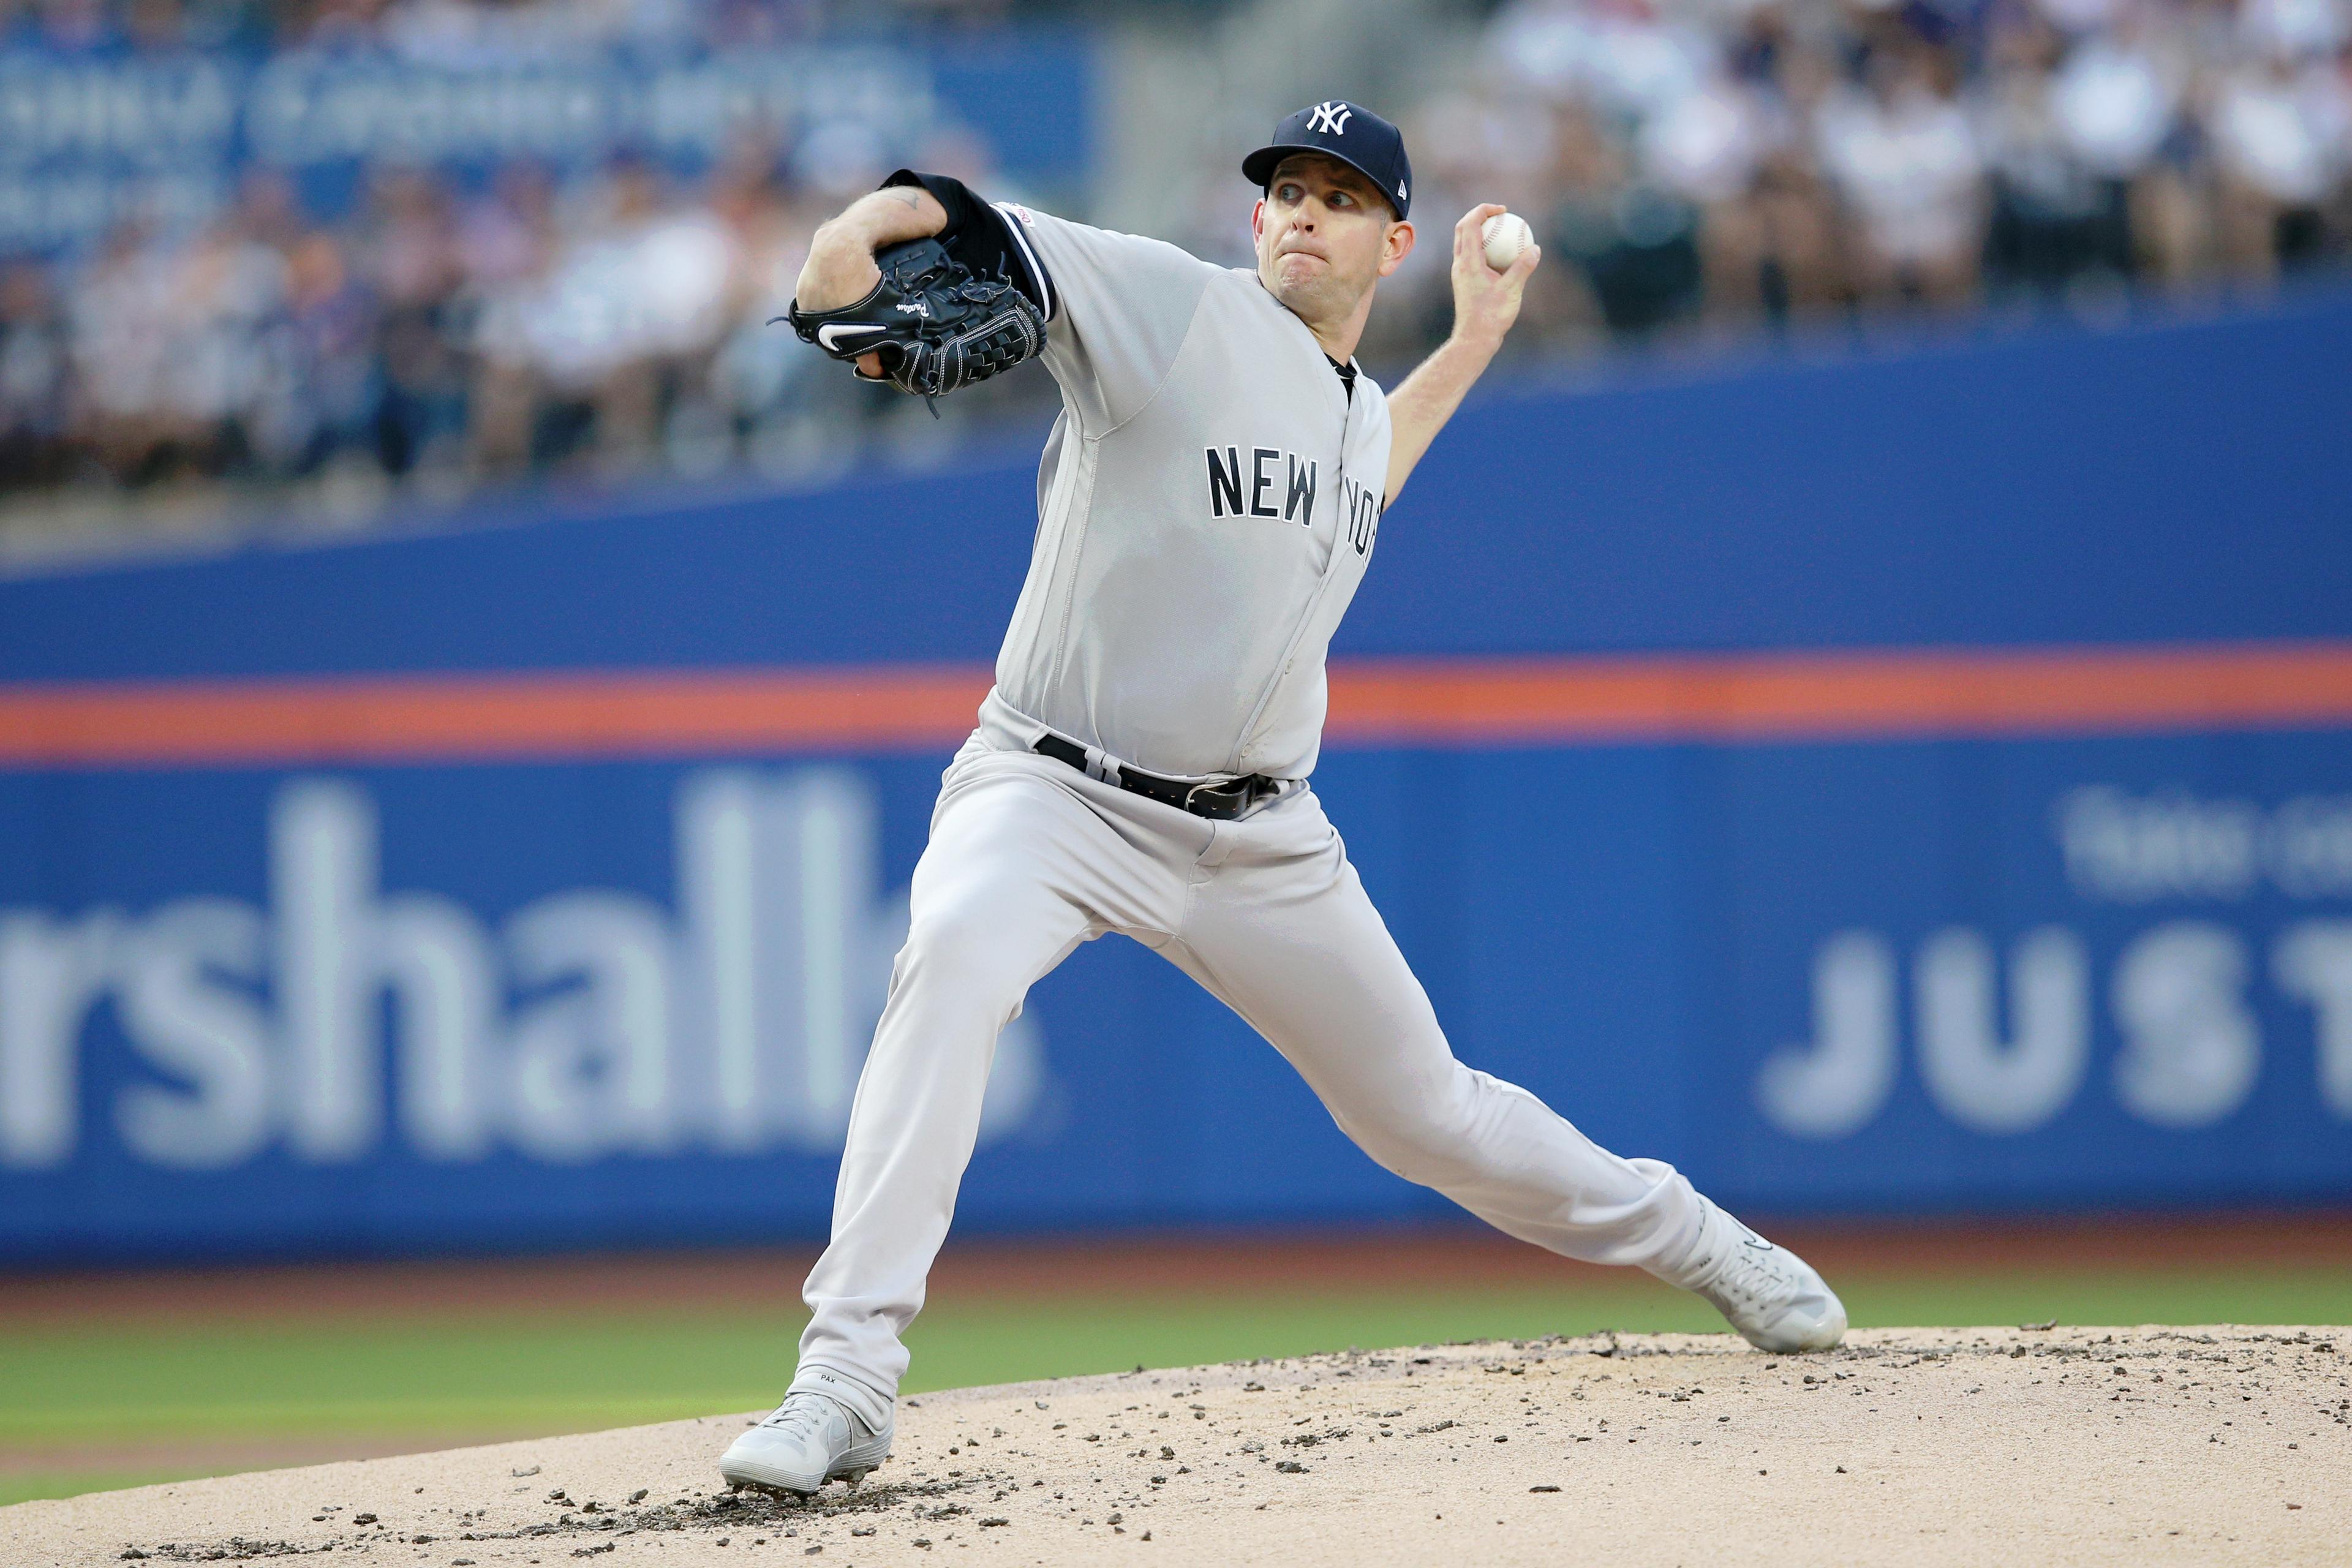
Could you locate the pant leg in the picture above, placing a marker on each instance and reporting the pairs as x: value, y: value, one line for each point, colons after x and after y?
x: 1281, y: 930
x: 1019, y: 870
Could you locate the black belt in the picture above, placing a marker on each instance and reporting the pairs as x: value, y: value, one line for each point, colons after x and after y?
x: 1217, y: 802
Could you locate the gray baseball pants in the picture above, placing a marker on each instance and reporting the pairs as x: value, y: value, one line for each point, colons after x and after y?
x: 1028, y: 858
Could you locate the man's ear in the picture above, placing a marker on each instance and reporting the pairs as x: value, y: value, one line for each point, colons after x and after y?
x: 1398, y: 247
x: 1257, y: 221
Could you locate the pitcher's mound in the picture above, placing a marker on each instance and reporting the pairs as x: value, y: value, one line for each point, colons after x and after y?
x: 1906, y: 1446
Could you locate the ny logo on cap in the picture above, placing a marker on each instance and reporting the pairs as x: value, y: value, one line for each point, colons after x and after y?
x: 1331, y: 117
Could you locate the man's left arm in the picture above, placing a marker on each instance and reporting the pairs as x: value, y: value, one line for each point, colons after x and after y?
x: 1485, y: 303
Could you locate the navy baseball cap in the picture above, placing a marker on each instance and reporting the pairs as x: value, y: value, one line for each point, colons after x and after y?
x: 1348, y: 131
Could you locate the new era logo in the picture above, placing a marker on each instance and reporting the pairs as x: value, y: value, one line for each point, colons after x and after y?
x: 1330, y: 117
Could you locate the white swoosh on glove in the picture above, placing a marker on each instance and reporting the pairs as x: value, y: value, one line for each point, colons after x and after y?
x: 827, y: 335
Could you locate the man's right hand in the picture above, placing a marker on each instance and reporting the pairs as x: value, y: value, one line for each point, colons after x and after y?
x: 840, y: 269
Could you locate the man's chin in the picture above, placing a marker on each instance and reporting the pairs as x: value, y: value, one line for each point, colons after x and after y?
x: 1306, y: 296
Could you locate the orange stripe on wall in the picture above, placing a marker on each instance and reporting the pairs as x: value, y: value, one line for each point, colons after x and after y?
x: 1835, y: 696
x: 1884, y: 694
x: 463, y: 718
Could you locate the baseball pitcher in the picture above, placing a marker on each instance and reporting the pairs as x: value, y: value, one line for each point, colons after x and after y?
x: 1207, y: 503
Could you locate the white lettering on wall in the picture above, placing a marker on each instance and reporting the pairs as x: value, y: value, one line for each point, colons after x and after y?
x: 434, y: 962
x: 1977, y: 1079
x: 2178, y: 996
x: 1839, y: 1081
x: 2313, y: 966
x: 322, y: 868
x: 592, y: 1022
x: 52, y: 971
x: 716, y: 897
x: 2192, y: 1048
x: 2126, y: 848
x: 590, y: 1054
x: 187, y: 984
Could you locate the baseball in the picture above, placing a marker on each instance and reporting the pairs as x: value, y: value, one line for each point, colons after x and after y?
x: 1506, y: 236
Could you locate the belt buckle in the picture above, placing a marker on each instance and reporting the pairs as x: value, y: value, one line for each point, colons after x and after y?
x: 1241, y: 788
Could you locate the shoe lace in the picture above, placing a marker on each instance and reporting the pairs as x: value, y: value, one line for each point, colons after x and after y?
x: 1745, y: 1275
x: 805, y: 1413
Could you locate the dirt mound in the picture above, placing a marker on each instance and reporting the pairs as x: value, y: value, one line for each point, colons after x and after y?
x: 1910, y: 1446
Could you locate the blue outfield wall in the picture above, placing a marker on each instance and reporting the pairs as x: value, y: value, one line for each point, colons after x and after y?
x: 327, y: 1008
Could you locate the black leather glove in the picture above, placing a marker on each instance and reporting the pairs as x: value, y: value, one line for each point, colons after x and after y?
x: 936, y: 325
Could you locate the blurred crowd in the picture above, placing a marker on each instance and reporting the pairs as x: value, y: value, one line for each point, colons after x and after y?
x: 1688, y: 164
x: 454, y: 30
x: 454, y: 330
x: 1721, y: 161
x: 609, y: 325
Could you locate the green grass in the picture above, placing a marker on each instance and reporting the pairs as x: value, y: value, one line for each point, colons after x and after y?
x: 465, y: 1378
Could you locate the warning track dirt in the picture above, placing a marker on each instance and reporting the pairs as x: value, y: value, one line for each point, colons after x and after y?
x: 2049, y: 1447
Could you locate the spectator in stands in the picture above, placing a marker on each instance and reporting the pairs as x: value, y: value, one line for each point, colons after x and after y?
x: 1906, y: 159
x: 33, y: 357
x: 121, y: 330
x: 1708, y: 148
x: 2279, y: 127
x: 2118, y: 101
x: 1635, y: 240
x: 1794, y: 212
x: 319, y: 401
x: 409, y: 234
x: 2053, y: 218
x: 508, y: 243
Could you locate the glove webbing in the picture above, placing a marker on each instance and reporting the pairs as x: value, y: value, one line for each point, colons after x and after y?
x: 935, y: 327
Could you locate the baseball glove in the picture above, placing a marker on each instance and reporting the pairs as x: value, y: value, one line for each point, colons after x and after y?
x: 936, y: 324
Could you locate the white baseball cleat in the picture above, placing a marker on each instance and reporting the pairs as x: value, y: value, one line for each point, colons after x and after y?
x: 806, y: 1441
x: 1769, y: 1294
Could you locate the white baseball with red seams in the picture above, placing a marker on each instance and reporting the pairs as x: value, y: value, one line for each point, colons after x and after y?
x: 1506, y: 237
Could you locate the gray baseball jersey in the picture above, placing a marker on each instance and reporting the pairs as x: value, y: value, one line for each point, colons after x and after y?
x: 1206, y: 506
